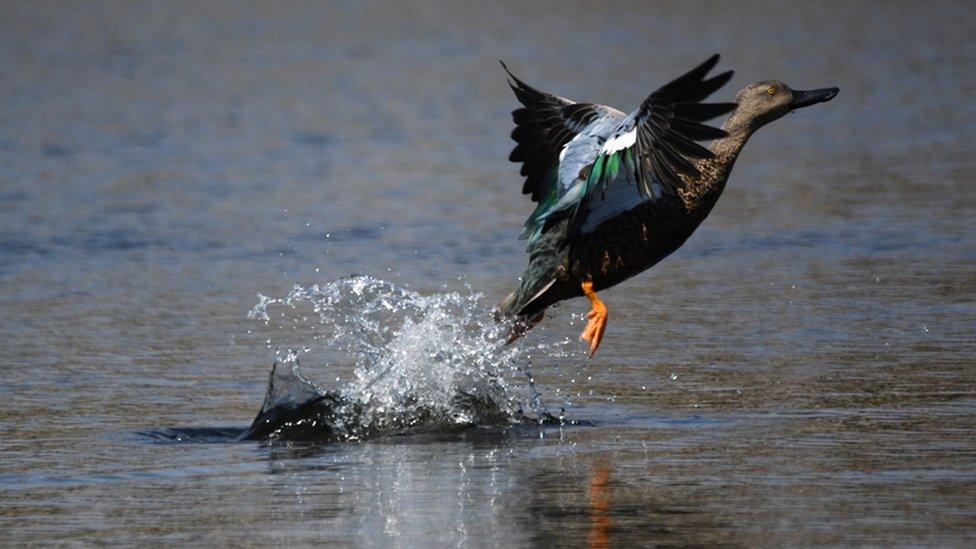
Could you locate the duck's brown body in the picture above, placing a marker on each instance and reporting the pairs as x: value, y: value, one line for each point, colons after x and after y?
x: 627, y: 245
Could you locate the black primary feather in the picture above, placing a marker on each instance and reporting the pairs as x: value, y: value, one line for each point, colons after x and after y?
x: 669, y: 123
x: 544, y: 125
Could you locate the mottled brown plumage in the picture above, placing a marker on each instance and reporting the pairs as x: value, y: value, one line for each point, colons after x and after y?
x: 629, y: 244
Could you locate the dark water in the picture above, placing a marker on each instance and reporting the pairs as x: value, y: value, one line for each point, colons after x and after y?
x: 801, y: 372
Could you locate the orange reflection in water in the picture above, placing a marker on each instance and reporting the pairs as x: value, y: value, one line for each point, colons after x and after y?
x: 599, y: 536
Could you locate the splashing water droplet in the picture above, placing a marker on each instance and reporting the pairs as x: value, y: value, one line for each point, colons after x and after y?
x: 428, y: 361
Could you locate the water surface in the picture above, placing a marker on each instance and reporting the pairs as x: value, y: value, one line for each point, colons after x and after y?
x: 800, y: 372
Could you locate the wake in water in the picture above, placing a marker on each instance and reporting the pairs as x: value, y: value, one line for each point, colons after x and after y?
x: 430, y: 362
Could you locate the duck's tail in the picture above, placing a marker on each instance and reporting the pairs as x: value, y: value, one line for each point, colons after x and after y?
x: 507, y: 307
x: 519, y: 324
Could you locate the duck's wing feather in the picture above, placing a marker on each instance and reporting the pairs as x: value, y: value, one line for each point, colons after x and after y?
x: 644, y: 156
x: 545, y: 125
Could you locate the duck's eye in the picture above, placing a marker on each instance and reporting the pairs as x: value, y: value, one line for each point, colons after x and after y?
x: 771, y: 91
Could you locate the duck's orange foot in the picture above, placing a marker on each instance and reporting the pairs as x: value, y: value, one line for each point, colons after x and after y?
x: 594, y: 329
x: 598, y: 319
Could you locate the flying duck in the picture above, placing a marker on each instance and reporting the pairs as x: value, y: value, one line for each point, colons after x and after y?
x: 616, y: 192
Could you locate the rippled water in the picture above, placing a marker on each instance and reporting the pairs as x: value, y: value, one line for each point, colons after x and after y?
x: 802, y: 371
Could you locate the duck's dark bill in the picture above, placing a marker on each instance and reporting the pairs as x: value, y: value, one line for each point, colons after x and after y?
x: 806, y: 98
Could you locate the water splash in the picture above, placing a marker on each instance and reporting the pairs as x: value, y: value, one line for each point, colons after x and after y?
x: 421, y: 361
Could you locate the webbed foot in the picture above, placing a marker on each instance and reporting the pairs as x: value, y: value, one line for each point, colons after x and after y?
x: 597, y: 324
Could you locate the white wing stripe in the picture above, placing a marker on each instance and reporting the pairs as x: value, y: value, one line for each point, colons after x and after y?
x: 620, y: 142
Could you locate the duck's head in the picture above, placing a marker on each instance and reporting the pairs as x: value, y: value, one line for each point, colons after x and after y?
x: 768, y: 100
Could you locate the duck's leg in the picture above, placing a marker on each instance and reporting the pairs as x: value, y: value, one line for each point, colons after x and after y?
x: 598, y: 318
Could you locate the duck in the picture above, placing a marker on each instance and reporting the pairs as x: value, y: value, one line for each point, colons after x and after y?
x: 616, y: 193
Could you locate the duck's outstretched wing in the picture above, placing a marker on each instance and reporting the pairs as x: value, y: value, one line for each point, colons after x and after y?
x: 544, y: 126
x: 643, y: 158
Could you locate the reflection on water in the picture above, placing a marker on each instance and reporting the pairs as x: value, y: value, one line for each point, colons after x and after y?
x: 599, y: 506
x: 801, y: 372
